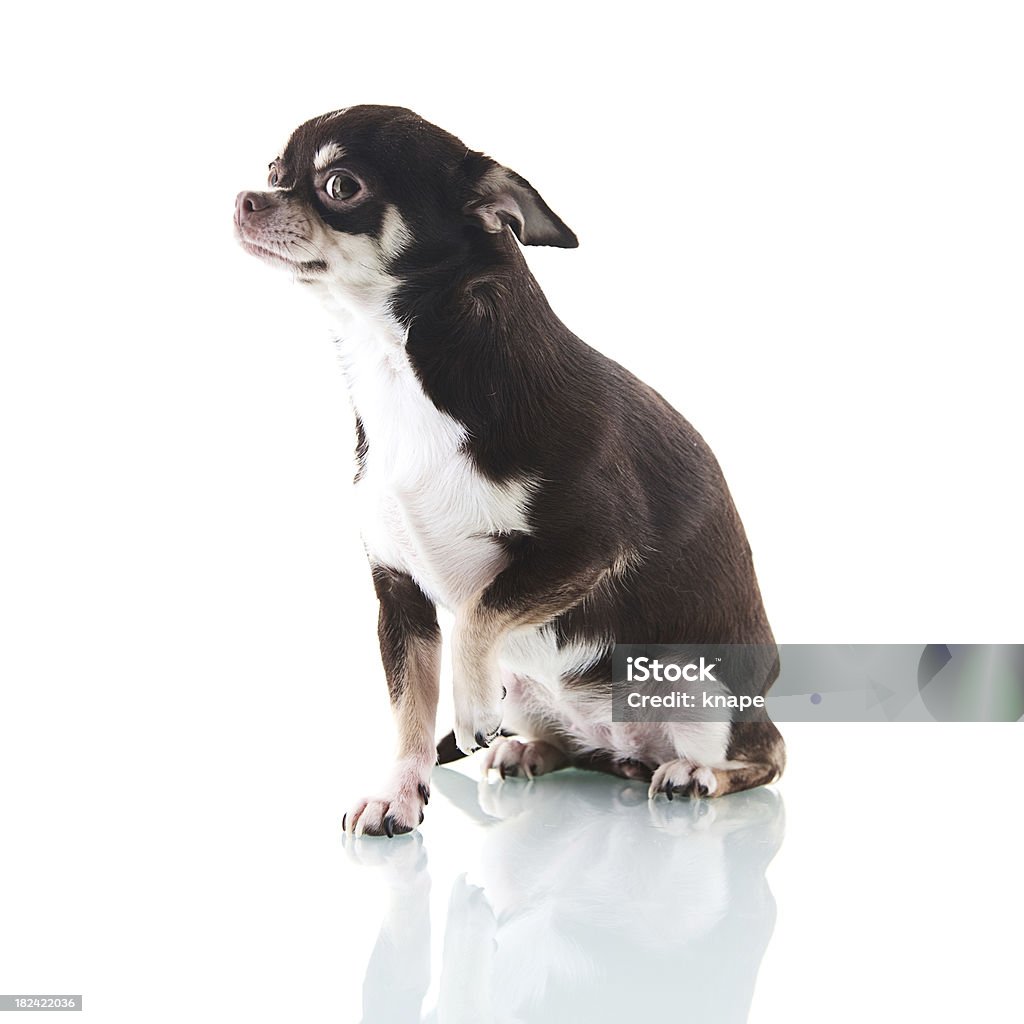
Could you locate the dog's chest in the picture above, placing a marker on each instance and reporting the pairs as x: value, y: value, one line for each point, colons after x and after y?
x: 424, y: 507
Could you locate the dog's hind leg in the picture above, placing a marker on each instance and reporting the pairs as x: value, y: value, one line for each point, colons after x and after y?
x: 528, y: 758
x: 528, y: 592
x: 410, y: 648
x: 756, y: 756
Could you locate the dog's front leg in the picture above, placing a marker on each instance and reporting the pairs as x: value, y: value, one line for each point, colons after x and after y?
x: 410, y: 647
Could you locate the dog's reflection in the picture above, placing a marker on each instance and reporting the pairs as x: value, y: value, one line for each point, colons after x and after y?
x: 595, y: 906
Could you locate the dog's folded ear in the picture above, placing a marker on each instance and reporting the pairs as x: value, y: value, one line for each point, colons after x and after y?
x: 501, y: 198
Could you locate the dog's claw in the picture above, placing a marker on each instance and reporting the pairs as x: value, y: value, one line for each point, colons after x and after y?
x: 504, y: 693
x: 344, y: 818
x: 424, y: 793
x: 392, y: 828
x: 481, y: 739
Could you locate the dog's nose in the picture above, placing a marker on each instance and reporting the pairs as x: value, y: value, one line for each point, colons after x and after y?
x: 248, y: 203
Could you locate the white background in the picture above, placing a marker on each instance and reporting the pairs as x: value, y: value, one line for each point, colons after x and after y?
x: 803, y: 223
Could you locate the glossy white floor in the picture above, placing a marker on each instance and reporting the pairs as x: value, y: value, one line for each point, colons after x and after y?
x: 879, y: 881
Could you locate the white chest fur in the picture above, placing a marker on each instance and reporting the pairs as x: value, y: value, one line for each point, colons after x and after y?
x: 424, y: 508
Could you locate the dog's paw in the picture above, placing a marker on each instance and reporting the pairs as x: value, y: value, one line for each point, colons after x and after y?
x: 394, y: 814
x: 512, y: 758
x: 476, y: 727
x: 682, y: 778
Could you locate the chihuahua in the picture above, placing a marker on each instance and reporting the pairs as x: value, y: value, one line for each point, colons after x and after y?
x: 506, y: 471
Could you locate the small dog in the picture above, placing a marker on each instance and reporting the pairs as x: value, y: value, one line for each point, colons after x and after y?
x: 506, y: 471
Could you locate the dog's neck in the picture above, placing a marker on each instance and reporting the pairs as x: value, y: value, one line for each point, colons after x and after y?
x: 454, y: 289
x: 418, y: 352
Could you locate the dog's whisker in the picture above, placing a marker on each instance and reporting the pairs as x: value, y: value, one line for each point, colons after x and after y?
x: 310, y: 248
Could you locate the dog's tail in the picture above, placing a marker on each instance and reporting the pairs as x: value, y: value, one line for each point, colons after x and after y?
x: 447, y: 751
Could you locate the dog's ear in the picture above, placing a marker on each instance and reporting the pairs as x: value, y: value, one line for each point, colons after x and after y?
x: 501, y: 198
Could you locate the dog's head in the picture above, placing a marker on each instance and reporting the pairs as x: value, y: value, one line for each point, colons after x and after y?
x: 364, y: 196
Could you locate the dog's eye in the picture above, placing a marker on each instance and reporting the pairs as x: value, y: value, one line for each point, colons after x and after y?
x: 341, y: 186
x: 273, y: 179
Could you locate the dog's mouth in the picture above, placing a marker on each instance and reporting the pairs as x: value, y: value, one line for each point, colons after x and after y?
x: 316, y: 266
